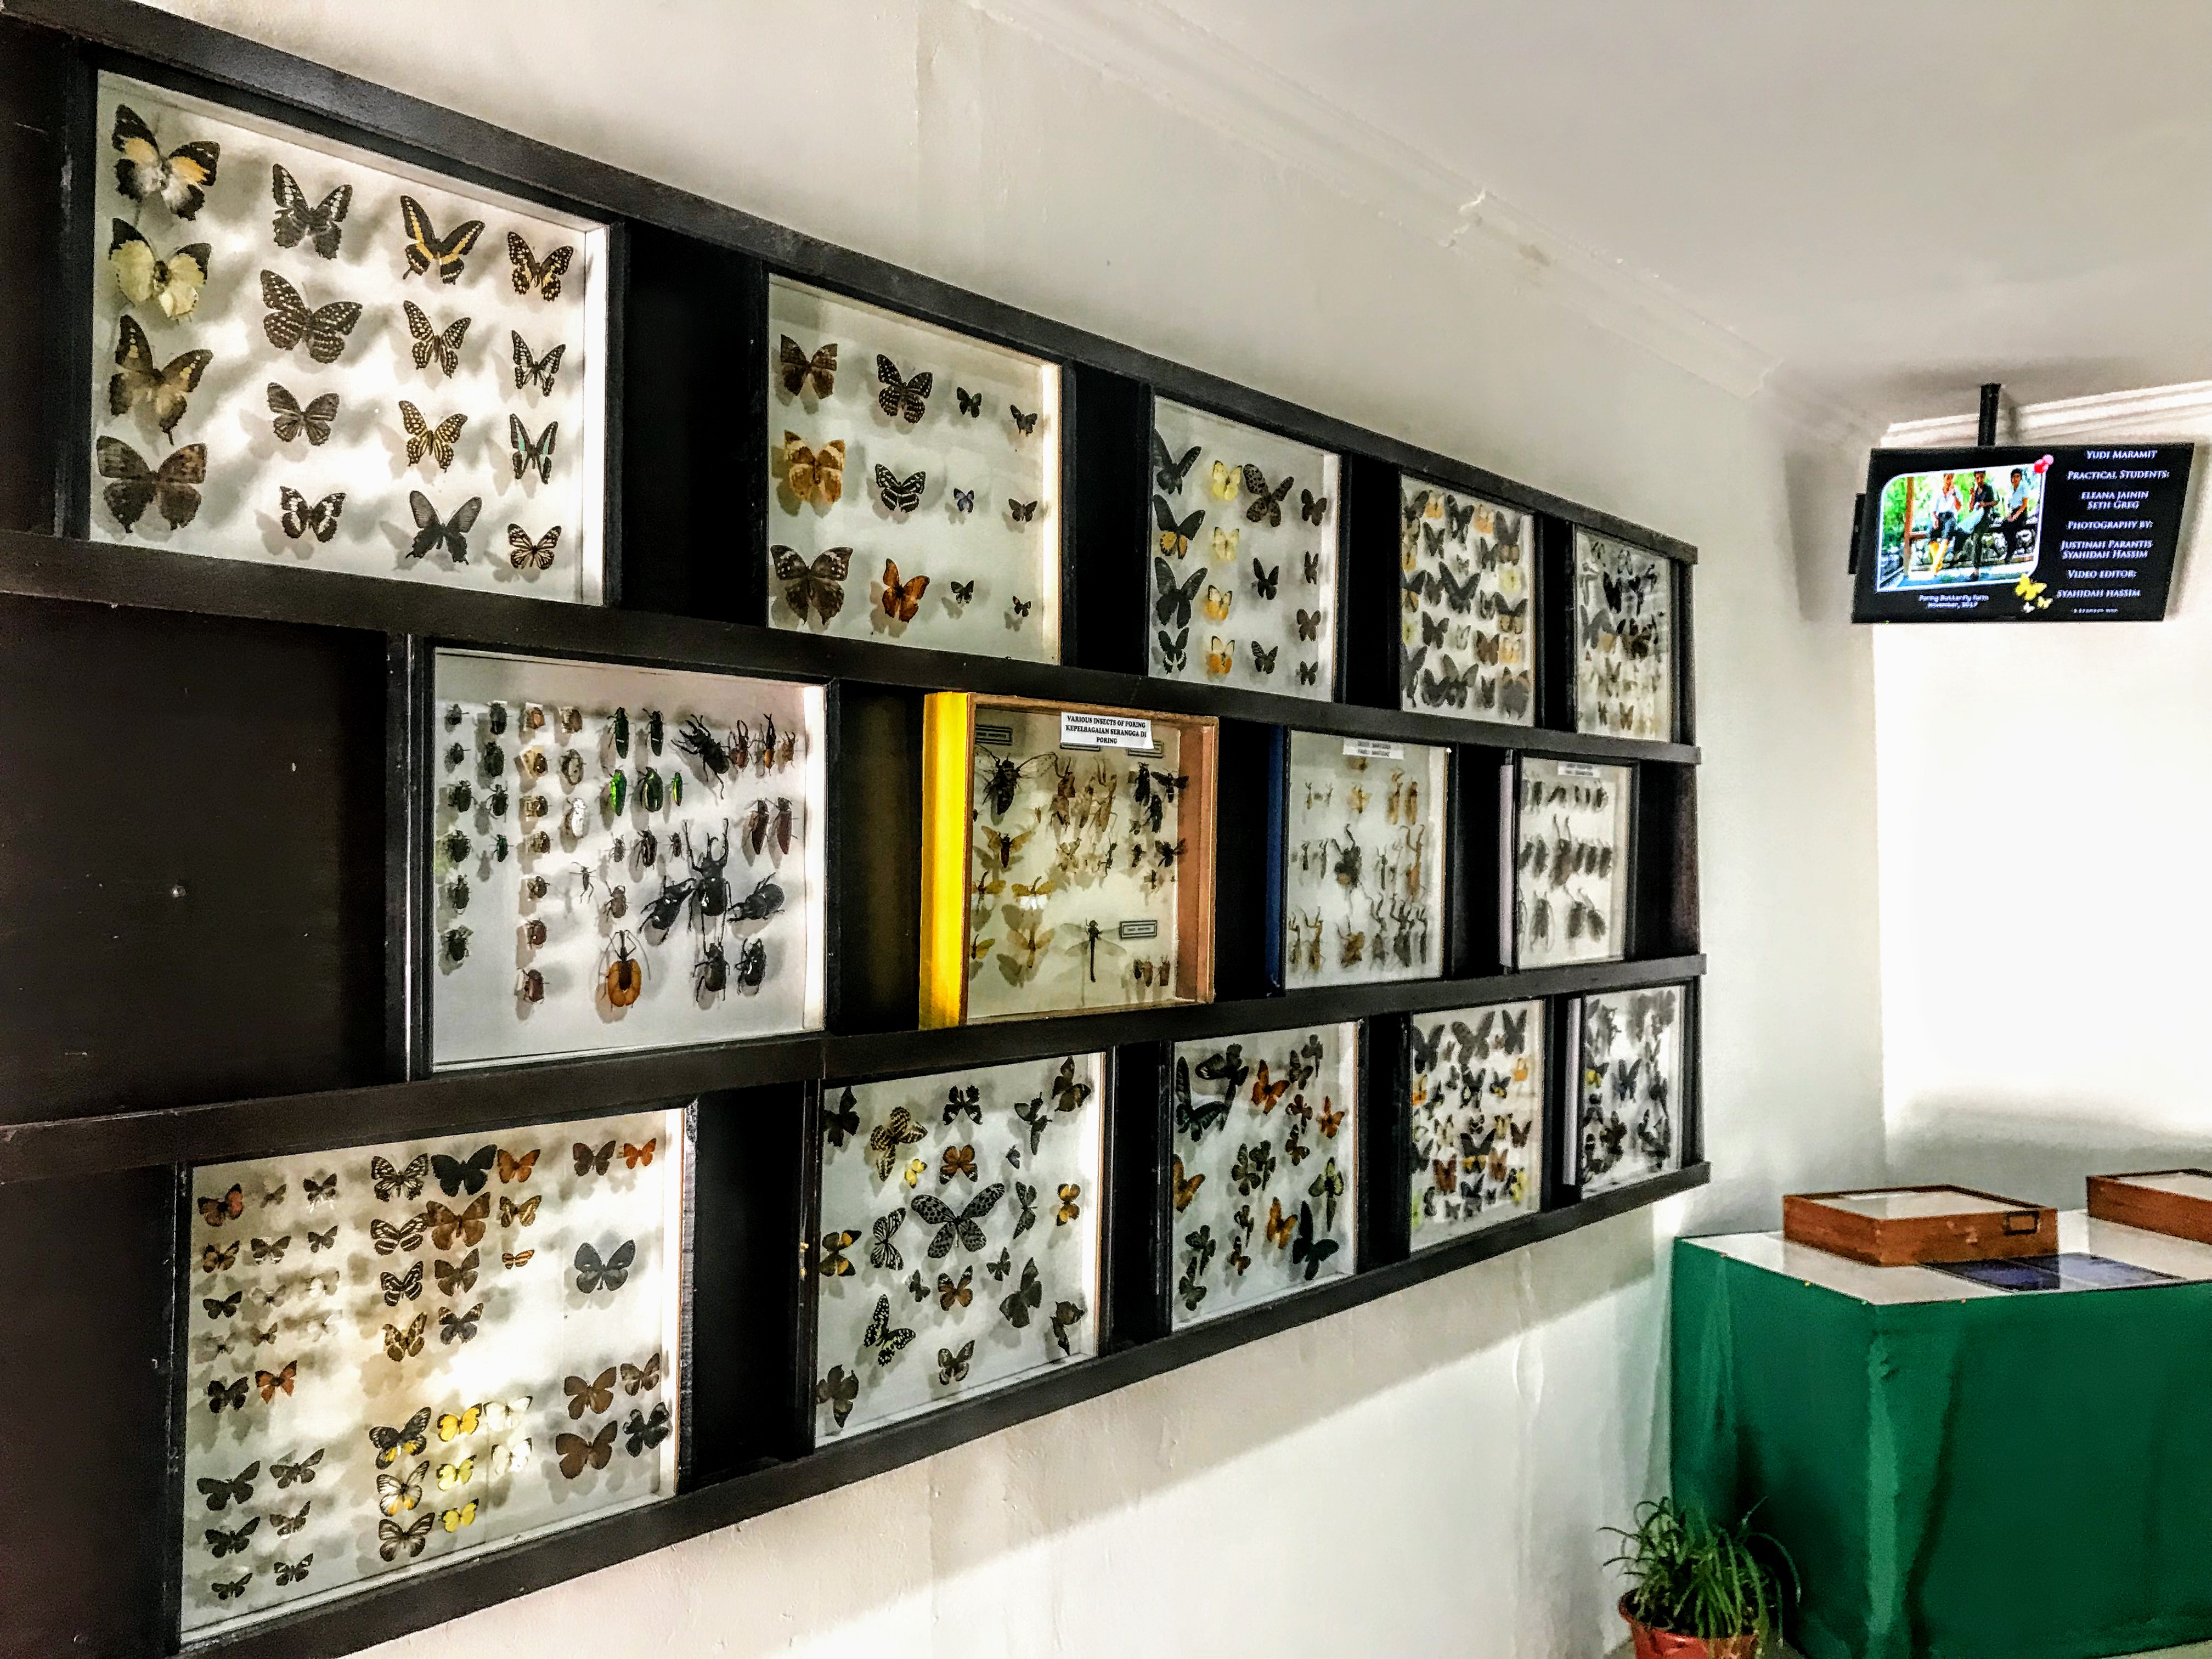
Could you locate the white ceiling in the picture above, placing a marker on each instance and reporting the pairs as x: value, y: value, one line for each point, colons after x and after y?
x: 1891, y: 202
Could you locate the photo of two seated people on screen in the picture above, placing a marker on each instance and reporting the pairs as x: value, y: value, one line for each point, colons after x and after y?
x: 1960, y: 526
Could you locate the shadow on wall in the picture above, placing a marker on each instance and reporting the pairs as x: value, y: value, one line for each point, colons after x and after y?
x: 2044, y: 1156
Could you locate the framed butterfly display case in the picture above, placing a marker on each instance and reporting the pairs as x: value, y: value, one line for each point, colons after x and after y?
x: 1364, y: 865
x: 915, y: 479
x: 959, y: 1238
x: 393, y: 1354
x: 1262, y: 1201
x: 1467, y: 637
x: 617, y: 857
x: 1567, y: 825
x: 306, y: 352
x: 1068, y: 858
x: 1629, y: 1047
x: 1243, y: 555
x: 1474, y: 1119
x: 1624, y: 640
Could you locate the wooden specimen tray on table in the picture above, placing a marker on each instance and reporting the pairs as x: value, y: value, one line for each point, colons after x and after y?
x: 2175, y: 1201
x: 1898, y: 1226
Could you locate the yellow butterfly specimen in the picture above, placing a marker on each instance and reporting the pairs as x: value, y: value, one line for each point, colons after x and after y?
x: 915, y: 1169
x: 1226, y: 543
x: 450, y: 1475
x: 173, y: 285
x: 1223, y: 482
x: 1219, y: 658
x: 455, y: 1424
x: 814, y: 475
x: 1216, y: 603
x: 455, y: 1519
x: 1186, y: 1189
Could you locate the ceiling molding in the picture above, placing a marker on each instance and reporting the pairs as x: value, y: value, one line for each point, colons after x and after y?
x: 2180, y: 410
x: 1145, y: 45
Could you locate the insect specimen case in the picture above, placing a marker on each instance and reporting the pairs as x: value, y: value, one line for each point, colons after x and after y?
x: 1628, y: 1084
x: 1364, y: 868
x: 1261, y: 1200
x: 1243, y: 555
x: 1625, y: 644
x: 393, y: 1354
x: 1475, y: 1118
x: 1566, y: 828
x: 1467, y: 588
x: 959, y: 1237
x: 1068, y: 858
x: 915, y: 480
x: 617, y: 857
x: 306, y: 352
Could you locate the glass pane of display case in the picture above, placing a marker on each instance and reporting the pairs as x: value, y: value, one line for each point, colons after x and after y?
x: 1475, y: 1115
x: 1567, y: 823
x: 1624, y: 636
x: 1629, y: 1086
x: 1467, y: 638
x: 1362, y: 860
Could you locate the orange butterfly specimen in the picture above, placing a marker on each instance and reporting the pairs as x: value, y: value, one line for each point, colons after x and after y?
x: 517, y: 1260
x: 1280, y: 1227
x: 814, y: 475
x: 511, y: 1168
x: 636, y: 1157
x: 950, y: 1295
x: 1331, y: 1122
x: 1264, y: 1094
x: 958, y: 1161
x: 216, y: 1211
x: 469, y: 1224
x: 1219, y: 658
x: 269, y: 1382
x: 1447, y: 1173
x: 1186, y: 1190
x: 902, y: 600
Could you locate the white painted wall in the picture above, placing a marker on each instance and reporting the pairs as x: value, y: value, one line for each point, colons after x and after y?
x: 1458, y: 1444
x: 2043, y: 796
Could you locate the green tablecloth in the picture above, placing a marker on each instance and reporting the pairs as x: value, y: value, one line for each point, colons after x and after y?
x: 2005, y: 1477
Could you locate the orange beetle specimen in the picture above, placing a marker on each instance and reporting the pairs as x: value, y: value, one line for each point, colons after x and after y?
x: 625, y: 974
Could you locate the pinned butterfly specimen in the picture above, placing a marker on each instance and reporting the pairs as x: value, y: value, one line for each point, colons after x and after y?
x: 1216, y: 603
x: 427, y: 251
x: 1225, y: 544
x: 1225, y: 482
x: 957, y: 1161
x: 881, y: 1336
x: 526, y: 554
x: 841, y: 1122
x: 1309, y: 624
x: 238, y: 1489
x: 221, y: 1543
x: 468, y: 1225
x: 390, y: 1183
x: 838, y: 1390
x: 1025, y: 1198
x: 1308, y: 673
x: 302, y: 1471
x: 613, y: 1272
x: 883, y: 1254
x: 1266, y: 506
x: 902, y: 600
x: 517, y: 1260
x: 432, y: 533
x: 797, y: 370
x: 511, y: 1168
x: 1220, y: 657
x: 1026, y: 1299
x: 215, y: 1212
x: 899, y: 495
x: 1313, y: 568
x: 1069, y: 1208
x: 1021, y: 512
x: 542, y: 370
x: 231, y: 1589
x: 1312, y: 509
x: 1306, y: 1249
x: 326, y: 328
x: 431, y: 346
x: 641, y: 1433
x: 512, y: 1214
x: 961, y: 1226
x: 393, y: 1445
x: 527, y: 454
x: 1263, y: 658
x: 641, y: 1379
x: 885, y: 1140
x: 397, y: 1493
x: 1168, y: 473
x: 1175, y: 534
x: 1174, y: 653
x: 951, y: 1294
x: 1264, y: 580
x: 641, y: 1157
x: 593, y: 1397
x: 297, y: 517
x: 819, y: 587
x: 410, y: 1538
x: 138, y: 379
x: 232, y: 1395
x: 213, y: 1260
x: 953, y: 1367
x: 291, y: 1572
x: 540, y: 276
x: 423, y: 439
x: 454, y: 1175
x: 400, y: 1345
x: 1172, y: 603
x: 574, y: 1451
x: 588, y: 1161
x: 916, y: 1288
x: 173, y: 486
x: 172, y: 285
x: 1021, y: 609
x: 1066, y: 1316
x: 963, y: 501
x: 902, y: 399
x: 814, y: 475
x: 971, y: 403
x: 963, y: 592
x: 178, y: 180
x: 286, y: 1525
x: 454, y: 1280
x: 291, y: 420
x: 1278, y: 1226
x: 402, y: 1287
x: 458, y: 1328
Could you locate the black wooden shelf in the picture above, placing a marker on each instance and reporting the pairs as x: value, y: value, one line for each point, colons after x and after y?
x: 379, y: 1612
x: 454, y: 1103
x: 37, y: 566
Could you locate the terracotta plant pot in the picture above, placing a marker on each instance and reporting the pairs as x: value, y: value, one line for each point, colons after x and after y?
x: 1665, y: 1645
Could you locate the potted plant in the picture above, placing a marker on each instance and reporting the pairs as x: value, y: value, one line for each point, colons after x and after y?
x: 1696, y: 1591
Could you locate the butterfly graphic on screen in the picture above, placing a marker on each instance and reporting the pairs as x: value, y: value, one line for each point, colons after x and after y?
x: 298, y: 516
x: 172, y: 487
x: 239, y: 1489
x: 900, y: 600
x: 1169, y: 473
x: 819, y: 587
x: 613, y: 1272
x: 971, y: 403
x: 429, y: 345
x: 906, y: 400
x: 1312, y: 509
x: 138, y: 379
x: 528, y: 368
x: 1021, y: 512
x: 291, y: 419
x: 428, y: 251
x: 423, y: 439
x: 575, y: 1452
x: 172, y: 285
x: 178, y: 180
x: 880, y: 1335
x: 432, y: 533
x: 540, y: 276
x: 526, y: 453
x: 1025, y: 425
x: 899, y: 495
x: 1267, y: 505
x: 326, y: 328
x: 796, y: 370
x: 524, y: 554
x: 588, y: 1161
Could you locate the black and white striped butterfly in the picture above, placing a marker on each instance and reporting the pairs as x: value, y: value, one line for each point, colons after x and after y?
x: 540, y: 370
x: 326, y: 328
x: 288, y: 1572
x: 900, y: 494
x: 429, y: 345
x: 882, y: 1252
x: 291, y: 420
x: 298, y: 517
x: 1263, y: 658
x: 902, y: 399
x: 880, y: 1335
x: 390, y: 1182
x: 423, y: 439
x: 528, y: 555
x: 526, y: 453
